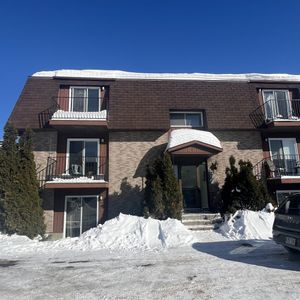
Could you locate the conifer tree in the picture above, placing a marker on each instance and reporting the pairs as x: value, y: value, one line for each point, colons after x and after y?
x: 31, y: 211
x: 20, y: 209
x: 163, y: 197
x: 241, y: 189
x: 172, y: 196
x: 9, y: 185
x: 153, y: 194
x: 228, y: 189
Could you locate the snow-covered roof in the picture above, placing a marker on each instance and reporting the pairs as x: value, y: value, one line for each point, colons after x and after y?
x: 115, y: 74
x: 183, y: 136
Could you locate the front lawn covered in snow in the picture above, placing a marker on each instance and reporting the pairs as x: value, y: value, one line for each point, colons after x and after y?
x: 131, y: 257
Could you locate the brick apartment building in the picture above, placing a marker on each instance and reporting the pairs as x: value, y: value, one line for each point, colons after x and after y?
x: 95, y: 132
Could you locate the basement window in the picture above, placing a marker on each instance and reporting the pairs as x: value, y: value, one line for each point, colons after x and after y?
x: 186, y: 119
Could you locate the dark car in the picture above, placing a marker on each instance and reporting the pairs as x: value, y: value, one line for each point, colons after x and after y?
x: 286, y: 228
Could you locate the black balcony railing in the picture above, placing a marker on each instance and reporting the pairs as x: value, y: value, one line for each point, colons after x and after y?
x: 65, y: 168
x: 277, y: 166
x: 82, y: 104
x: 274, y: 110
x: 90, y: 107
x: 45, y: 115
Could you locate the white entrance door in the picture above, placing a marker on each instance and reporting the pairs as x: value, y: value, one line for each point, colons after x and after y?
x: 81, y: 214
x: 284, y: 155
x: 82, y: 158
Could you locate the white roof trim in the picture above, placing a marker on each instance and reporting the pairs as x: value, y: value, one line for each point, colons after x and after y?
x: 183, y: 136
x: 115, y: 74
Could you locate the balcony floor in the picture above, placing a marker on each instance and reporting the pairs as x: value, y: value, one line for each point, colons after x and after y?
x: 285, y: 180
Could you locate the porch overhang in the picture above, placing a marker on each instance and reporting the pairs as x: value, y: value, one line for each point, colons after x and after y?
x: 191, y: 142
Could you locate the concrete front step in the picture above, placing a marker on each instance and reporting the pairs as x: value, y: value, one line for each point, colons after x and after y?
x: 202, y: 227
x: 198, y: 222
x: 200, y: 216
x: 201, y: 221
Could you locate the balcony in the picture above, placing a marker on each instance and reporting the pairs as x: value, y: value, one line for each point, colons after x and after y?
x: 279, y: 169
x: 75, y: 111
x: 277, y: 114
x: 69, y: 171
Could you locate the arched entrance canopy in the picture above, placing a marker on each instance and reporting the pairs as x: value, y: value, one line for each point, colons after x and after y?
x: 193, y: 142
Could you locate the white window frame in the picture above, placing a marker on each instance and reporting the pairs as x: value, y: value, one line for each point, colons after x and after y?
x: 65, y: 211
x: 83, y: 154
x: 287, y: 92
x: 282, y: 139
x: 71, y: 97
x: 187, y: 112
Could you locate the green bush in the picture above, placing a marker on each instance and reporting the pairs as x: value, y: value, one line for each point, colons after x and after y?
x: 163, y: 197
x: 241, y: 189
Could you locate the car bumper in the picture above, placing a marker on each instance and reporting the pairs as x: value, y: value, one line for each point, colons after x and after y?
x: 287, y: 239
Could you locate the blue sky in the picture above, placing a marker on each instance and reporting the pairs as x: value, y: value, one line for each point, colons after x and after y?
x: 217, y: 36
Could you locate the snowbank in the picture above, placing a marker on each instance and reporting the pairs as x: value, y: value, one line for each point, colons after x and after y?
x: 131, y: 232
x: 247, y: 224
x: 124, y: 232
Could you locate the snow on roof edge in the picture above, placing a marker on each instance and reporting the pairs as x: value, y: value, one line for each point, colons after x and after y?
x: 116, y: 74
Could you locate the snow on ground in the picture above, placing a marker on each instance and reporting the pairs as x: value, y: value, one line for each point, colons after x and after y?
x: 247, y: 224
x: 124, y: 232
x: 207, y: 265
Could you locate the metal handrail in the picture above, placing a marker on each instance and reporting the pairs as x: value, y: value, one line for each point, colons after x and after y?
x: 71, y: 167
x: 102, y: 102
x: 45, y: 115
x: 273, y: 110
x: 277, y: 166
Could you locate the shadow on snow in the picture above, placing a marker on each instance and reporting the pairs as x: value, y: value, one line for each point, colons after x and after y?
x: 263, y: 253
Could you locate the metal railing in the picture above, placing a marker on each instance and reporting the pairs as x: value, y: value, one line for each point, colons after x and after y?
x: 90, y: 107
x: 277, y: 166
x: 82, y: 104
x: 70, y: 167
x: 45, y: 115
x: 274, y: 110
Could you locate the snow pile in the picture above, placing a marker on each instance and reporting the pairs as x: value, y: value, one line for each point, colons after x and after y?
x: 247, y: 225
x: 183, y: 136
x: 131, y: 232
x: 124, y: 232
x: 17, y: 244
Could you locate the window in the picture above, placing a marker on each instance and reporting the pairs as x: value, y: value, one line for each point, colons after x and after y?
x: 281, y: 196
x: 290, y: 205
x: 186, y: 119
x: 277, y: 104
x: 83, y: 157
x: 85, y: 99
x: 81, y: 214
x: 284, y: 155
